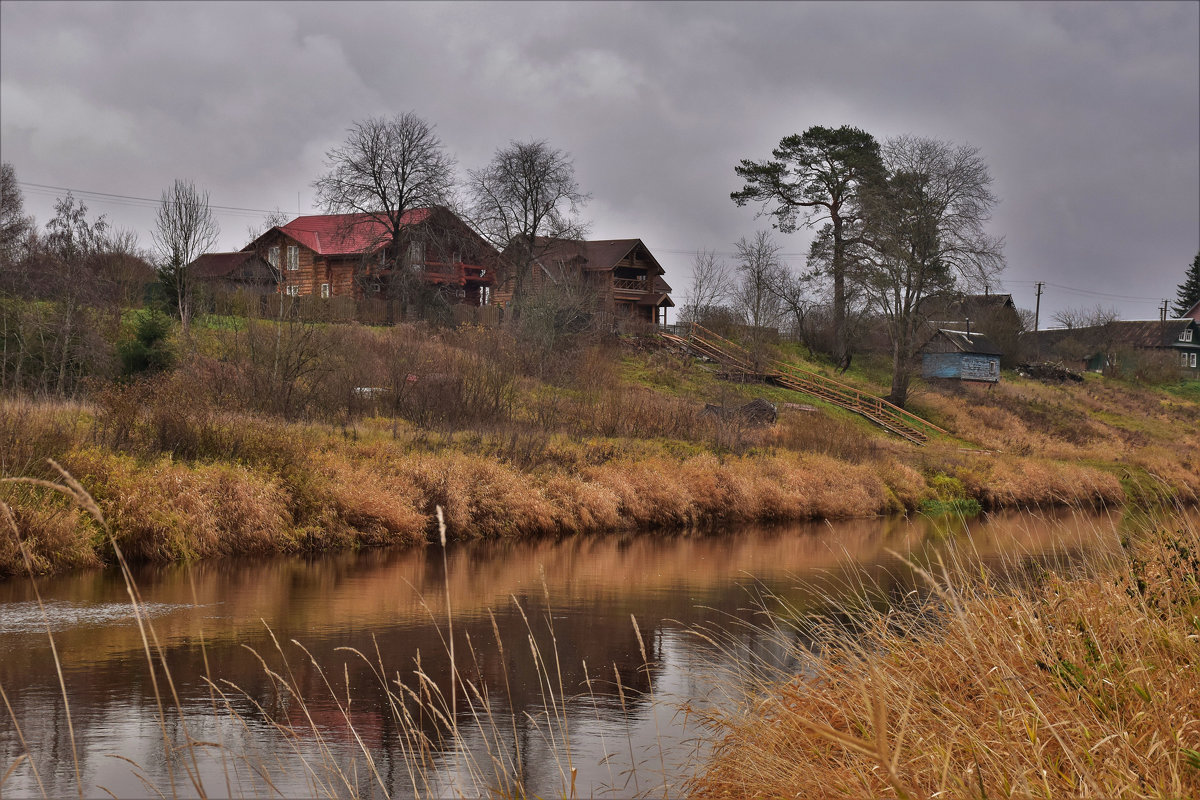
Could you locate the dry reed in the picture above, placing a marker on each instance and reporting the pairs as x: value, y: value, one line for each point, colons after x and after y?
x: 1080, y: 686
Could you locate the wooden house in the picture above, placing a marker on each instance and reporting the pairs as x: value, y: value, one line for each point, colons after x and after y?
x: 1193, y: 313
x: 994, y: 315
x: 353, y: 255
x: 960, y: 355
x: 234, y: 271
x: 622, y: 274
x: 1099, y: 348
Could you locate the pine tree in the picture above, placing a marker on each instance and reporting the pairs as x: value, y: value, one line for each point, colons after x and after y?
x: 1189, y: 290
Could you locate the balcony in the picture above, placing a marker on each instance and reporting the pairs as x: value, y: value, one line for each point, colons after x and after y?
x: 631, y: 285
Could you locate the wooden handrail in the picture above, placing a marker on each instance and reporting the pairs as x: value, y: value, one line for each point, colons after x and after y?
x: 878, y: 410
x: 821, y: 379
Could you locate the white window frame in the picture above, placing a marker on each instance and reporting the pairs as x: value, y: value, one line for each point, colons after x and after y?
x: 324, y: 290
x: 293, y: 291
x: 273, y: 256
x: 293, y: 257
x: 416, y: 254
x: 1183, y: 359
x: 1193, y: 360
x: 1186, y: 336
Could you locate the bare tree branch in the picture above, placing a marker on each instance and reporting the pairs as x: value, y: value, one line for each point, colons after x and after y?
x: 523, y: 202
x: 184, y: 228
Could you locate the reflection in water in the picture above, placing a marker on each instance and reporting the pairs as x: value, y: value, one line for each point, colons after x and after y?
x: 567, y: 664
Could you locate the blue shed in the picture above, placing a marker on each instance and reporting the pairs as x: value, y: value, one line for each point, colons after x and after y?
x: 960, y: 355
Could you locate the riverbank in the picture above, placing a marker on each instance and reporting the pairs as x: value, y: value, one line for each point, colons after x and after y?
x: 1082, y: 685
x: 183, y: 472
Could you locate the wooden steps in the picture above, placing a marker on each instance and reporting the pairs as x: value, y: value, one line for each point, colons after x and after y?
x: 737, y: 360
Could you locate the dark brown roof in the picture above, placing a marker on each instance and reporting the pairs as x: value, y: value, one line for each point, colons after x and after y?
x: 218, y: 265
x: 976, y: 343
x: 970, y: 306
x: 1147, y: 333
x: 1144, y: 334
x: 599, y: 254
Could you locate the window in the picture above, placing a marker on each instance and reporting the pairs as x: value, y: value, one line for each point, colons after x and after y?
x: 324, y: 290
x: 416, y: 253
x: 1186, y: 336
x: 1193, y: 360
x: 293, y: 257
x: 1183, y: 359
x: 273, y: 256
x: 293, y: 291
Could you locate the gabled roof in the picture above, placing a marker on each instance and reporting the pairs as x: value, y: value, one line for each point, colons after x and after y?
x: 600, y: 255
x: 344, y: 234
x: 219, y: 265
x: 969, y: 306
x: 974, y: 343
x: 1147, y: 333
x: 1193, y: 312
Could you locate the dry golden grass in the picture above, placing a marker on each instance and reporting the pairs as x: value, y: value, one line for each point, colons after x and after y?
x: 589, y: 453
x: 1082, y: 686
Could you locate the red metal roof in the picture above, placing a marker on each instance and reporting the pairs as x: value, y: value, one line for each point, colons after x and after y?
x: 346, y: 234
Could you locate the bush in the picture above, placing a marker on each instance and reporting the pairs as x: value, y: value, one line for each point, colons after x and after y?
x: 148, y: 350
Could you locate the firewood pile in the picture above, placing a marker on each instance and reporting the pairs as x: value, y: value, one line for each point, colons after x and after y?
x: 1049, y: 372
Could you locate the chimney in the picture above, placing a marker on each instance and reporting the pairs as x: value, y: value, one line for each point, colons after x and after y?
x: 968, y: 329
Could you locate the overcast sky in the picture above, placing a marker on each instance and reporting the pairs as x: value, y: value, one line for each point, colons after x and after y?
x: 1088, y: 114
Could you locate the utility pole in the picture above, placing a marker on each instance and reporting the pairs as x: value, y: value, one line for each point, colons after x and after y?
x: 1037, y: 310
x: 1162, y: 313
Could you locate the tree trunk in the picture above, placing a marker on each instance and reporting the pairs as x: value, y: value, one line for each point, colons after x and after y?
x: 841, y: 348
x: 902, y: 369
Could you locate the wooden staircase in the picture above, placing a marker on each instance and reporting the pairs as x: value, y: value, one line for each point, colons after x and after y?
x: 739, y: 364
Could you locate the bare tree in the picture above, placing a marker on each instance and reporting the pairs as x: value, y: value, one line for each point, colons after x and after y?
x: 1096, y: 317
x: 184, y: 229
x: 386, y: 168
x: 927, y: 237
x: 15, y: 226
x: 51, y: 345
x: 712, y: 285
x: 759, y: 270
x: 272, y: 219
x: 524, y: 202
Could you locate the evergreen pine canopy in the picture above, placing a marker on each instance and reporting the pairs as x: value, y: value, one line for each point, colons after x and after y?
x: 1189, y: 290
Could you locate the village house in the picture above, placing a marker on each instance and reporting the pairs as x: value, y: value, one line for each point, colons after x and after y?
x: 230, y: 272
x: 623, y: 274
x: 1118, y: 344
x: 994, y: 315
x: 1193, y: 313
x: 350, y: 255
x: 960, y: 355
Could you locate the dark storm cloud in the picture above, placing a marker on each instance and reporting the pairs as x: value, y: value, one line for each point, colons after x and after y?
x: 1087, y: 113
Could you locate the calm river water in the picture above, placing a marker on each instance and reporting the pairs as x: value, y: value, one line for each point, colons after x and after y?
x: 234, y: 619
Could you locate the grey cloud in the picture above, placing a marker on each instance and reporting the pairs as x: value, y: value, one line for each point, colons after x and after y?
x: 1087, y: 113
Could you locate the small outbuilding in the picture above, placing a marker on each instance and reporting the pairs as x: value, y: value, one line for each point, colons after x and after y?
x: 960, y: 355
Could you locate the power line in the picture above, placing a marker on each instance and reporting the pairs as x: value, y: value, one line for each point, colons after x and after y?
x: 131, y: 200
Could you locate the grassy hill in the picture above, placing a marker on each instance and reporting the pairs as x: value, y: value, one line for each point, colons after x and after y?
x: 279, y: 437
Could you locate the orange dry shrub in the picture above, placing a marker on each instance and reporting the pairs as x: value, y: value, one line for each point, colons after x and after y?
x: 353, y: 503
x: 582, y: 506
x: 649, y: 490
x: 166, y: 511
x: 54, y: 537
x: 478, y: 498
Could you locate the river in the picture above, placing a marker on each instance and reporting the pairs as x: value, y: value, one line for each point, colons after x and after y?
x: 259, y: 655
